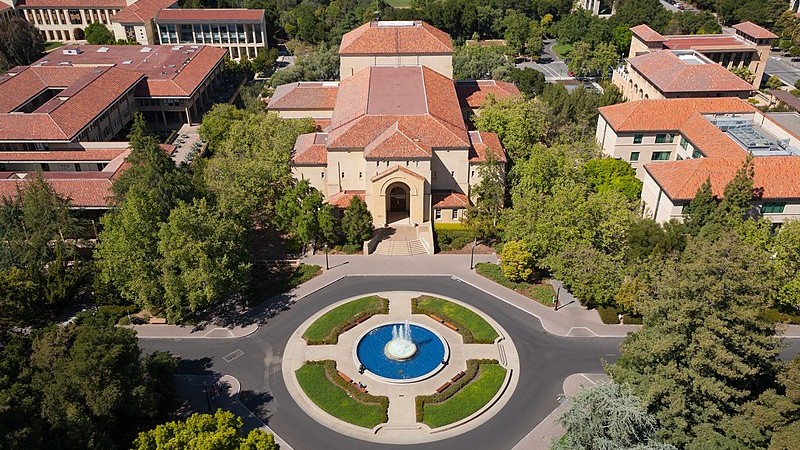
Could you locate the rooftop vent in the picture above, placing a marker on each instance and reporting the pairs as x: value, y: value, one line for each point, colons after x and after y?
x: 102, y: 50
x: 396, y: 23
x: 127, y: 62
x: 63, y: 63
x: 72, y: 51
x: 177, y: 47
x: 145, y: 50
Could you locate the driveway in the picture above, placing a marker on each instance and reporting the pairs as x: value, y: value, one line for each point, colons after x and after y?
x: 548, y: 63
x: 783, y: 68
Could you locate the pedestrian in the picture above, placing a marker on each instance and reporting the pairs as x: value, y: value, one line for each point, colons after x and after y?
x: 619, y: 318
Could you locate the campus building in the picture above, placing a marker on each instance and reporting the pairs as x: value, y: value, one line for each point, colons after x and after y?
x: 675, y: 145
x: 134, y: 23
x: 66, y: 20
x: 600, y: 8
x: 392, y: 130
x: 686, y: 66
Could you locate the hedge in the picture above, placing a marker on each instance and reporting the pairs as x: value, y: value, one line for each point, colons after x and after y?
x: 327, y: 328
x: 473, y: 328
x: 452, y: 236
x: 470, y: 375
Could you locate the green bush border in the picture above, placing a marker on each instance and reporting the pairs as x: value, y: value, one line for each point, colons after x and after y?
x: 465, y: 332
x: 610, y: 316
x: 473, y: 369
x: 331, y: 373
x: 333, y: 336
x: 540, y: 292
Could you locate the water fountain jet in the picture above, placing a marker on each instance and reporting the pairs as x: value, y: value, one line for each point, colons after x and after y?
x: 401, y: 347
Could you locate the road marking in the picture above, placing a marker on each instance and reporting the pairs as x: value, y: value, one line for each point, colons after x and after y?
x: 233, y: 355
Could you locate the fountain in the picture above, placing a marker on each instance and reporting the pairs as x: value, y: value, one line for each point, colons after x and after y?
x: 401, y: 347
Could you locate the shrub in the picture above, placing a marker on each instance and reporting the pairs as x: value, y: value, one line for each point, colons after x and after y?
x: 452, y: 236
x: 351, y: 249
x: 610, y: 316
x: 516, y: 261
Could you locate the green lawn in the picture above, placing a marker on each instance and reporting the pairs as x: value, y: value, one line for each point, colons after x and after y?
x: 468, y: 400
x: 327, y: 328
x: 52, y: 45
x: 542, y: 293
x: 562, y: 50
x: 399, y: 3
x: 334, y: 400
x: 474, y: 328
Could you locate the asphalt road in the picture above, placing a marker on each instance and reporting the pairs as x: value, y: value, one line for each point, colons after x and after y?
x: 545, y: 360
x: 548, y: 63
x: 783, y: 68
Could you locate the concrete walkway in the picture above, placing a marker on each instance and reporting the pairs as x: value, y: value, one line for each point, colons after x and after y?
x: 571, y: 319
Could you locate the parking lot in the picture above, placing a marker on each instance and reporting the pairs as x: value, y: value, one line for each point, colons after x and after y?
x: 784, y: 67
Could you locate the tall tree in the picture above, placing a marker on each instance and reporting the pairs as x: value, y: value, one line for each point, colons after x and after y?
x: 21, y: 43
x: 518, y: 123
x: 357, y: 222
x: 701, y: 209
x: 98, y: 34
x: 704, y: 350
x: 489, y: 192
x: 786, y: 248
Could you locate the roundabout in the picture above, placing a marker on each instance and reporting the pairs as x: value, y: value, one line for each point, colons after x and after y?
x: 417, y: 363
x: 259, y: 362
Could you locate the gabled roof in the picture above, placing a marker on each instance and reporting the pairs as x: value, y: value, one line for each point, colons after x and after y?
x: 667, y: 114
x: 395, y: 143
x: 448, y: 199
x: 647, y: 34
x: 210, y: 15
x: 776, y: 176
x: 754, y: 31
x: 309, y: 150
x: 421, y: 102
x: 142, y: 11
x: 394, y: 169
x: 396, y: 37
x: 473, y: 93
x: 304, y: 95
x: 482, y: 143
x: 670, y: 74
x: 342, y: 199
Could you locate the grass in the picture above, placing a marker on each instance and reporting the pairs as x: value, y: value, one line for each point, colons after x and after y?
x: 541, y: 292
x: 562, y: 50
x: 399, y: 3
x: 327, y: 328
x: 472, y: 327
x: 343, y: 401
x: 610, y: 316
x: 52, y: 45
x: 468, y: 399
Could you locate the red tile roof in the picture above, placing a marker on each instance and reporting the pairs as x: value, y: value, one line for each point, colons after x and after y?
x: 394, y: 169
x: 4, y: 7
x: 304, y: 96
x: 67, y: 114
x: 62, y: 156
x: 142, y: 11
x: 787, y: 98
x: 755, y: 31
x: 211, y: 15
x: 20, y: 84
x: 647, y: 34
x: 680, y: 180
x: 426, y: 109
x: 342, y: 199
x: 482, y: 142
x: 473, y: 93
x: 667, y: 114
x: 309, y: 150
x: 391, y: 38
x: 448, y: 199
x: 669, y: 74
x: 76, y: 4
x: 395, y: 143
x: 709, y: 41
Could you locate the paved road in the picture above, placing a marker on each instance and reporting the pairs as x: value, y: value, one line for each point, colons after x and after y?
x: 548, y: 63
x: 783, y: 68
x: 546, y: 360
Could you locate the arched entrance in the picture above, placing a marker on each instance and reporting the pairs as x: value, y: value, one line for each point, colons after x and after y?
x: 79, y: 34
x: 398, y: 199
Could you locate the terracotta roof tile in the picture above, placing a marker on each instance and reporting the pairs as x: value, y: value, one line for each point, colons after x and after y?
x: 20, y: 84
x: 755, y: 31
x: 395, y: 143
x: 669, y: 74
x: 391, y: 38
x: 142, y: 11
x: 482, y: 141
x: 680, y: 180
x: 210, y: 15
x: 647, y: 34
x: 76, y: 155
x: 394, y: 169
x: 342, y: 199
x: 473, y: 93
x: 309, y: 150
x: 448, y: 199
x: 667, y: 114
x: 304, y: 96
x: 708, y: 41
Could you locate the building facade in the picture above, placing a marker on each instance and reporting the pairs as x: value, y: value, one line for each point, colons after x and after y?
x: 135, y: 22
x: 676, y: 145
x: 391, y: 133
x: 66, y: 20
x: 242, y: 32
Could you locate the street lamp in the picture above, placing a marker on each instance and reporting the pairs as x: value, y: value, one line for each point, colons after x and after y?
x: 327, y: 267
x: 472, y: 254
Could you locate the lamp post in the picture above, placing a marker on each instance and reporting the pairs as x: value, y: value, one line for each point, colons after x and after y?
x: 472, y: 254
x: 327, y: 266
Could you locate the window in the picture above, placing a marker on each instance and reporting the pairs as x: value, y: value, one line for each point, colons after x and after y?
x: 342, y: 174
x: 684, y: 143
x: 360, y: 175
x: 637, y: 138
x: 452, y: 174
x: 664, y: 138
x: 322, y: 175
x: 438, y: 214
x: 77, y: 167
x: 45, y: 167
x: 660, y: 156
x: 434, y: 174
x: 472, y: 174
x: 634, y: 156
x: 773, y: 207
x: 696, y: 154
x: 455, y: 214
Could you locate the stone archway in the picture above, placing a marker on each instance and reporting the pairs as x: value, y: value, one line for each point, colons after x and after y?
x: 79, y: 34
x: 398, y: 201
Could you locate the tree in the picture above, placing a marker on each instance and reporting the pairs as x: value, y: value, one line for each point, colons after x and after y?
x: 701, y: 209
x: 518, y: 123
x: 264, y: 62
x: 475, y: 62
x: 21, y: 43
x: 298, y: 212
x: 357, y: 222
x: 483, y: 217
x: 580, y: 60
x: 220, y: 431
x: 737, y: 200
x: 516, y: 26
x: 217, y: 122
x: 98, y: 34
x: 786, y: 248
x: 530, y: 82
x: 205, y: 259
x: 319, y: 65
x: 704, y: 350
x: 608, y: 416
x: 605, y: 174
x: 604, y: 59
x: 329, y: 225
x: 744, y: 73
x: 516, y: 261
x: 534, y: 45
x: 774, y: 82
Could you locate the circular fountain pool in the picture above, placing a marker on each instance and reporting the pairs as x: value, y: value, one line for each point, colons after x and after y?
x: 429, y: 355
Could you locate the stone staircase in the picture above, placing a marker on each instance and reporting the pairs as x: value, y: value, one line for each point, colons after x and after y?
x: 397, y: 247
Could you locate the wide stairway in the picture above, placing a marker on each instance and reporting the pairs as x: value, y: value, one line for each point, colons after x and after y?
x: 398, y: 247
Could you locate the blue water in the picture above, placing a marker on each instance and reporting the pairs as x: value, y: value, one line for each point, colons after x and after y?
x: 430, y: 352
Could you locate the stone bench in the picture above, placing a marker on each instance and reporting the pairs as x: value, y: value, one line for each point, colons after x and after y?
x: 157, y: 321
x: 451, y: 326
x: 443, y: 387
x: 436, y: 318
x: 344, y: 376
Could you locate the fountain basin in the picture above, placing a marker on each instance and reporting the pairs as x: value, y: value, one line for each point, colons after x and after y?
x: 404, y: 364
